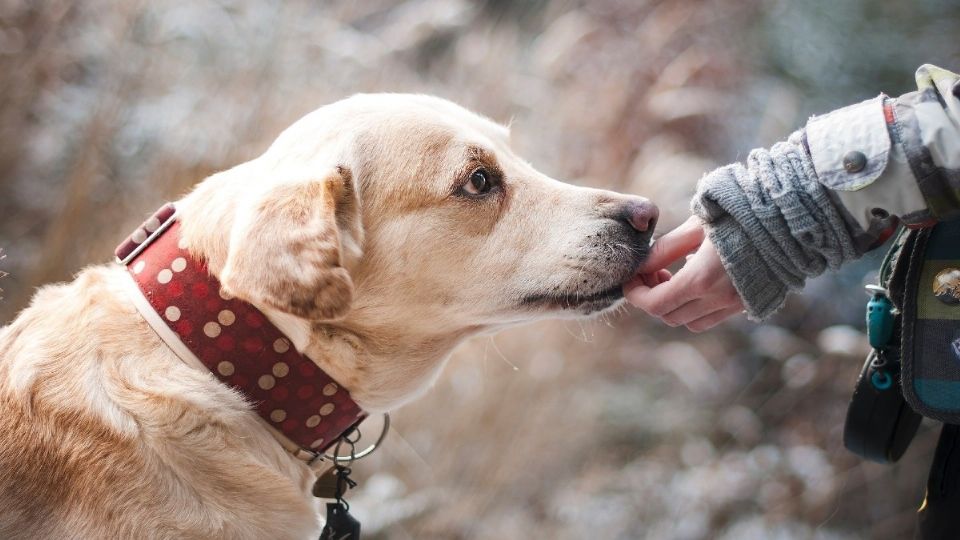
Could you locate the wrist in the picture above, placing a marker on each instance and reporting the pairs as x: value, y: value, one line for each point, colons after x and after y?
x: 759, y: 288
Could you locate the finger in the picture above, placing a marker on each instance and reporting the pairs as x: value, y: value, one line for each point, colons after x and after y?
x: 713, y: 319
x: 636, y: 290
x: 639, y: 280
x: 650, y: 280
x: 674, y: 245
x: 656, y: 278
x: 662, y: 299
x: 647, y: 280
x: 691, y: 311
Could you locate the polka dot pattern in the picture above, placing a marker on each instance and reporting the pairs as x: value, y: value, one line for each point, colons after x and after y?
x: 172, y: 313
x: 266, y: 382
x: 226, y: 317
x: 238, y: 344
x: 211, y: 329
x: 140, y: 235
x: 151, y: 225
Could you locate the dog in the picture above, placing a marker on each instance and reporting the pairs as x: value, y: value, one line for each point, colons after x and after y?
x: 376, y: 233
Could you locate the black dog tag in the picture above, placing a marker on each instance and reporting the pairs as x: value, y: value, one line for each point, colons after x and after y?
x: 340, y: 524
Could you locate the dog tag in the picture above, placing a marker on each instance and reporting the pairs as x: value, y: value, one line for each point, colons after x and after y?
x: 340, y: 524
x: 326, y: 485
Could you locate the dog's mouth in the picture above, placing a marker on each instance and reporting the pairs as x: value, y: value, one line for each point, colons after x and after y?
x: 598, y: 283
x: 576, y: 301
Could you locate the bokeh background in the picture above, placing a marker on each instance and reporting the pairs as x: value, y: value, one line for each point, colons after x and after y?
x: 613, y: 428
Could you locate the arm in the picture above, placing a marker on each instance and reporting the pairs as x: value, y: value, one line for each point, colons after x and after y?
x: 808, y: 204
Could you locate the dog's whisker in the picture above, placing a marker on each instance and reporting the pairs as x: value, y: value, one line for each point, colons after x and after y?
x: 504, y: 358
x: 583, y: 332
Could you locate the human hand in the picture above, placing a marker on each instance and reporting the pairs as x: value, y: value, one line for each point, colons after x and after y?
x: 699, y: 296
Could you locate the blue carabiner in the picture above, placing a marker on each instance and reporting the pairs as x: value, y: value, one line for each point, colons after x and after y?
x: 880, y: 318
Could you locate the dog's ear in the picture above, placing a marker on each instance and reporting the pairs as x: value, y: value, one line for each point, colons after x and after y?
x: 288, y: 246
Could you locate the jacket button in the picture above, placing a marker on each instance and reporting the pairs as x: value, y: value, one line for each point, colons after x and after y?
x: 946, y: 286
x: 854, y: 162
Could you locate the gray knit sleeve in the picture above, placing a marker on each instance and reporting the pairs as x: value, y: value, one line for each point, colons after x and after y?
x: 773, y: 224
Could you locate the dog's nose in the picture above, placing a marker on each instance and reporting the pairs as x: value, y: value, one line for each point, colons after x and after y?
x: 641, y: 214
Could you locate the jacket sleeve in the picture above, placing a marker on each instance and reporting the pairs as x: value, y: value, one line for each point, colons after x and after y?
x: 911, y: 147
x: 826, y: 194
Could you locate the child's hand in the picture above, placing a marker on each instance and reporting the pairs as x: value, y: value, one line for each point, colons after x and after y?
x: 700, y: 295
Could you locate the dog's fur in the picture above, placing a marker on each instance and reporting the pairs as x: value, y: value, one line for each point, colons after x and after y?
x: 357, y: 234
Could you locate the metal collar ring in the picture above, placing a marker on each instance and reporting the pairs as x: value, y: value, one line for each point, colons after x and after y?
x: 366, y: 451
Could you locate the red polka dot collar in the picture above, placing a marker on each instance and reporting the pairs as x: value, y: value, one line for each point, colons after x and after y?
x: 233, y: 340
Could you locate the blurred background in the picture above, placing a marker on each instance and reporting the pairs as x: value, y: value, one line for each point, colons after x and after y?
x: 613, y: 428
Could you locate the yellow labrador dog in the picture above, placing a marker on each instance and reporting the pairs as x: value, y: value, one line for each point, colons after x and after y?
x: 376, y: 233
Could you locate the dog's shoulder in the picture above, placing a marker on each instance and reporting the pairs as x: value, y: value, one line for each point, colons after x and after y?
x: 95, y: 412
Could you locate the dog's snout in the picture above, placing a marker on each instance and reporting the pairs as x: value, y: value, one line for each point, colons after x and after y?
x: 641, y: 214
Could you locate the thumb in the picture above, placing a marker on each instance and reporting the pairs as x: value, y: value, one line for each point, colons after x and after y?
x: 674, y: 245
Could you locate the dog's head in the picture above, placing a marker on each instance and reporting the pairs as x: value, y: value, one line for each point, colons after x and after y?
x: 400, y: 224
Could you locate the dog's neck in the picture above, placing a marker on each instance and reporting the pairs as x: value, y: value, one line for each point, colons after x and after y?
x: 207, y: 327
x: 380, y: 354
x: 384, y: 368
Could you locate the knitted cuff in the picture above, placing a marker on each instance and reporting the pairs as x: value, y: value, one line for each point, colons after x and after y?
x: 763, y: 294
x: 773, y: 224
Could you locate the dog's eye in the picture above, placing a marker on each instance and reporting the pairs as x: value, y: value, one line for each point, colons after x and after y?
x: 479, y: 183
